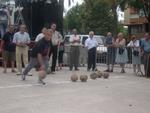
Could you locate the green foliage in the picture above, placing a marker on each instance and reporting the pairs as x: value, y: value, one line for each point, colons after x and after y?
x: 122, y: 29
x: 99, y: 17
x: 93, y: 15
x: 73, y: 18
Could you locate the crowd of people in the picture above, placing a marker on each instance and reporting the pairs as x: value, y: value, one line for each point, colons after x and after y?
x: 49, y: 44
x: 117, y: 52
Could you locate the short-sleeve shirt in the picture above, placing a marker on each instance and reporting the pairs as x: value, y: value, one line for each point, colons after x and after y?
x: 73, y: 38
x: 134, y: 43
x: 109, y: 41
x: 8, y: 42
x: 91, y: 43
x: 146, y: 45
x: 42, y: 47
x: 21, y: 37
x: 56, y: 37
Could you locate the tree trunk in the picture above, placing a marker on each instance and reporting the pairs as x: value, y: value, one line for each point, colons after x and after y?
x: 115, y: 24
x: 114, y: 9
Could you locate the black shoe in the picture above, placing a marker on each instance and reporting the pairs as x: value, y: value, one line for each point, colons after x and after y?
x: 41, y: 82
x: 111, y: 71
x: 88, y: 69
x: 122, y: 71
x: 76, y: 69
x: 107, y: 70
x: 94, y: 69
x: 30, y: 74
x: 70, y: 68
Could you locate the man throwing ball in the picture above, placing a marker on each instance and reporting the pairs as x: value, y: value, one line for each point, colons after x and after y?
x: 39, y: 56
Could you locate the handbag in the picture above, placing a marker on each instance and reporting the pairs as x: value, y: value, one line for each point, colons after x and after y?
x: 136, y: 53
x: 121, y: 50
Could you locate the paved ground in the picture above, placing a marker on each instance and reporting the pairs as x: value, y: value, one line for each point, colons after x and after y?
x: 124, y: 93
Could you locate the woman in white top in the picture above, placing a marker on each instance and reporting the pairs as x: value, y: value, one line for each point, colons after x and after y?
x: 136, y: 58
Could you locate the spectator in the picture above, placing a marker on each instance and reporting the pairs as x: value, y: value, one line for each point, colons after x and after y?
x: 8, y: 49
x: 110, y: 52
x: 121, y: 55
x: 145, y: 45
x: 136, y: 58
x: 60, y: 56
x: 91, y: 45
x: 41, y: 35
x: 56, y: 39
x: 74, y: 50
x: 21, y: 39
x: 39, y: 54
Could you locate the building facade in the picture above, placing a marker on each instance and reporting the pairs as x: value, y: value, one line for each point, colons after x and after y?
x: 136, y: 21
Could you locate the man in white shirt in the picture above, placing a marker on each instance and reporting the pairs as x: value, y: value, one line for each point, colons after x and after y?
x: 74, y: 50
x: 91, y: 45
x: 21, y: 39
x: 41, y: 35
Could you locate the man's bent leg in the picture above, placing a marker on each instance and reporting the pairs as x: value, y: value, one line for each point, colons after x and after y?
x: 32, y: 64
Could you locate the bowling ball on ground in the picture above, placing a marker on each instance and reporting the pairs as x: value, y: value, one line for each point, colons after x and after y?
x: 74, y: 78
x: 99, y: 74
x: 93, y: 76
x: 106, y: 75
x: 83, y: 78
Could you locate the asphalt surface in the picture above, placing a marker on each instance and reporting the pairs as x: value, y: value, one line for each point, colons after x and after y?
x: 121, y: 93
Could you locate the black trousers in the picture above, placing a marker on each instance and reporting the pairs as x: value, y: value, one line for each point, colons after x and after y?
x: 54, y: 51
x: 146, y: 64
x: 92, y: 58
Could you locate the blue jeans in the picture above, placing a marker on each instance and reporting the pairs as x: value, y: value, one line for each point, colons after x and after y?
x: 33, y: 62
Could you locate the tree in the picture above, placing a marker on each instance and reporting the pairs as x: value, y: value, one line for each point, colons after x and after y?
x: 98, y: 16
x: 73, y: 18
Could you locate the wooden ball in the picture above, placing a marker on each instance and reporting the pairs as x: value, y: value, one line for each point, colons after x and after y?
x: 93, y: 76
x: 74, y: 78
x: 42, y: 74
x: 99, y: 74
x: 83, y: 78
x: 105, y: 75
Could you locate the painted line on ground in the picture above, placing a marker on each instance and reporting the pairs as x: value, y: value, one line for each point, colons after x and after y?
x: 30, y: 85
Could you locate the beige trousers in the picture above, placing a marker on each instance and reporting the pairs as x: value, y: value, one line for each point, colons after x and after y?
x: 21, y: 54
